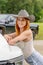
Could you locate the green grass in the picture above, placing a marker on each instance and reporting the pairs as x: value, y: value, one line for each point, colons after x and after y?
x: 40, y: 34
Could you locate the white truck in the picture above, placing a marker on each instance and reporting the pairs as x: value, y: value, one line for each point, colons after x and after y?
x: 10, y: 55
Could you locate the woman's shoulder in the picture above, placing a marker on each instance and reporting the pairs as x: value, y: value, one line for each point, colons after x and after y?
x: 28, y: 31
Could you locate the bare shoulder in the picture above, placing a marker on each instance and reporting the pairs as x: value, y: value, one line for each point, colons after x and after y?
x: 27, y: 32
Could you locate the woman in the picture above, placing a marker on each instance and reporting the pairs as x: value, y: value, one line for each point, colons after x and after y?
x: 23, y: 38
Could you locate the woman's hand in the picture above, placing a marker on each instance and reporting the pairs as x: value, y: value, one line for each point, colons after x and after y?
x: 11, y: 42
x: 7, y: 37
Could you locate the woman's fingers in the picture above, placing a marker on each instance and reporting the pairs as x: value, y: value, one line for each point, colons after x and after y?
x: 7, y: 37
x: 11, y: 42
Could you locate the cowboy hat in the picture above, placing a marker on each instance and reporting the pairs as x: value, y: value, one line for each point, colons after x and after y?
x: 24, y: 13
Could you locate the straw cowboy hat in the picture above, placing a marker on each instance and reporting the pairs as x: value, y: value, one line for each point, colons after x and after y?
x: 24, y: 13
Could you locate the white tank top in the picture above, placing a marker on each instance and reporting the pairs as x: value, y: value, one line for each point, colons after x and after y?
x: 27, y: 47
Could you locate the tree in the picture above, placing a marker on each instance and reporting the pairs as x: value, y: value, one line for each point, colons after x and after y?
x: 33, y: 7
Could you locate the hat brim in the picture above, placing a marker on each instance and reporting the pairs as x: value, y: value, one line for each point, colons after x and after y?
x: 16, y: 16
x: 19, y: 16
x: 31, y: 18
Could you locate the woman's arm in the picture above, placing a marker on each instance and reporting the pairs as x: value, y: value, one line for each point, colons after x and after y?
x: 21, y: 37
x: 13, y: 35
x: 10, y: 36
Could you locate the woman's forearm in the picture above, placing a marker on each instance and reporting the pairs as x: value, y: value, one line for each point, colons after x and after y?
x: 19, y: 38
x: 13, y: 35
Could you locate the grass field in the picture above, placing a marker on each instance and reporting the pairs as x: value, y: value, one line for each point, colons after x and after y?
x: 40, y: 34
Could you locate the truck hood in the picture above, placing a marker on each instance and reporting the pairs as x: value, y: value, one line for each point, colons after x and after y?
x: 8, y: 52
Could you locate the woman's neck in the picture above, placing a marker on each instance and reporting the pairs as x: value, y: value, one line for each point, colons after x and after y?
x: 21, y: 30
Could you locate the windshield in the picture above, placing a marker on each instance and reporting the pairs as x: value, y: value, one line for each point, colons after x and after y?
x: 2, y: 16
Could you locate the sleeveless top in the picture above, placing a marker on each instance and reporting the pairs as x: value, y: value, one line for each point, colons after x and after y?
x: 27, y: 47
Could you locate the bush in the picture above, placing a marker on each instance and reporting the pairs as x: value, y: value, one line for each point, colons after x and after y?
x: 41, y: 20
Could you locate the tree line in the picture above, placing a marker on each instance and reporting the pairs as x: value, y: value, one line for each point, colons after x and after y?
x: 34, y: 7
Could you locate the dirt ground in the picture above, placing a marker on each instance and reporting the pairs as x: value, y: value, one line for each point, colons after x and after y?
x: 38, y: 45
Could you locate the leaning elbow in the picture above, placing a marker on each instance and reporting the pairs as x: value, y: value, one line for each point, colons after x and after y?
x: 20, y: 39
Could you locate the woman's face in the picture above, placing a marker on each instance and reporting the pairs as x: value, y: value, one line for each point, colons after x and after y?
x: 21, y: 22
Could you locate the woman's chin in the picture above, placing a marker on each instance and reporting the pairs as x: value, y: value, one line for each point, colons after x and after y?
x: 21, y: 26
